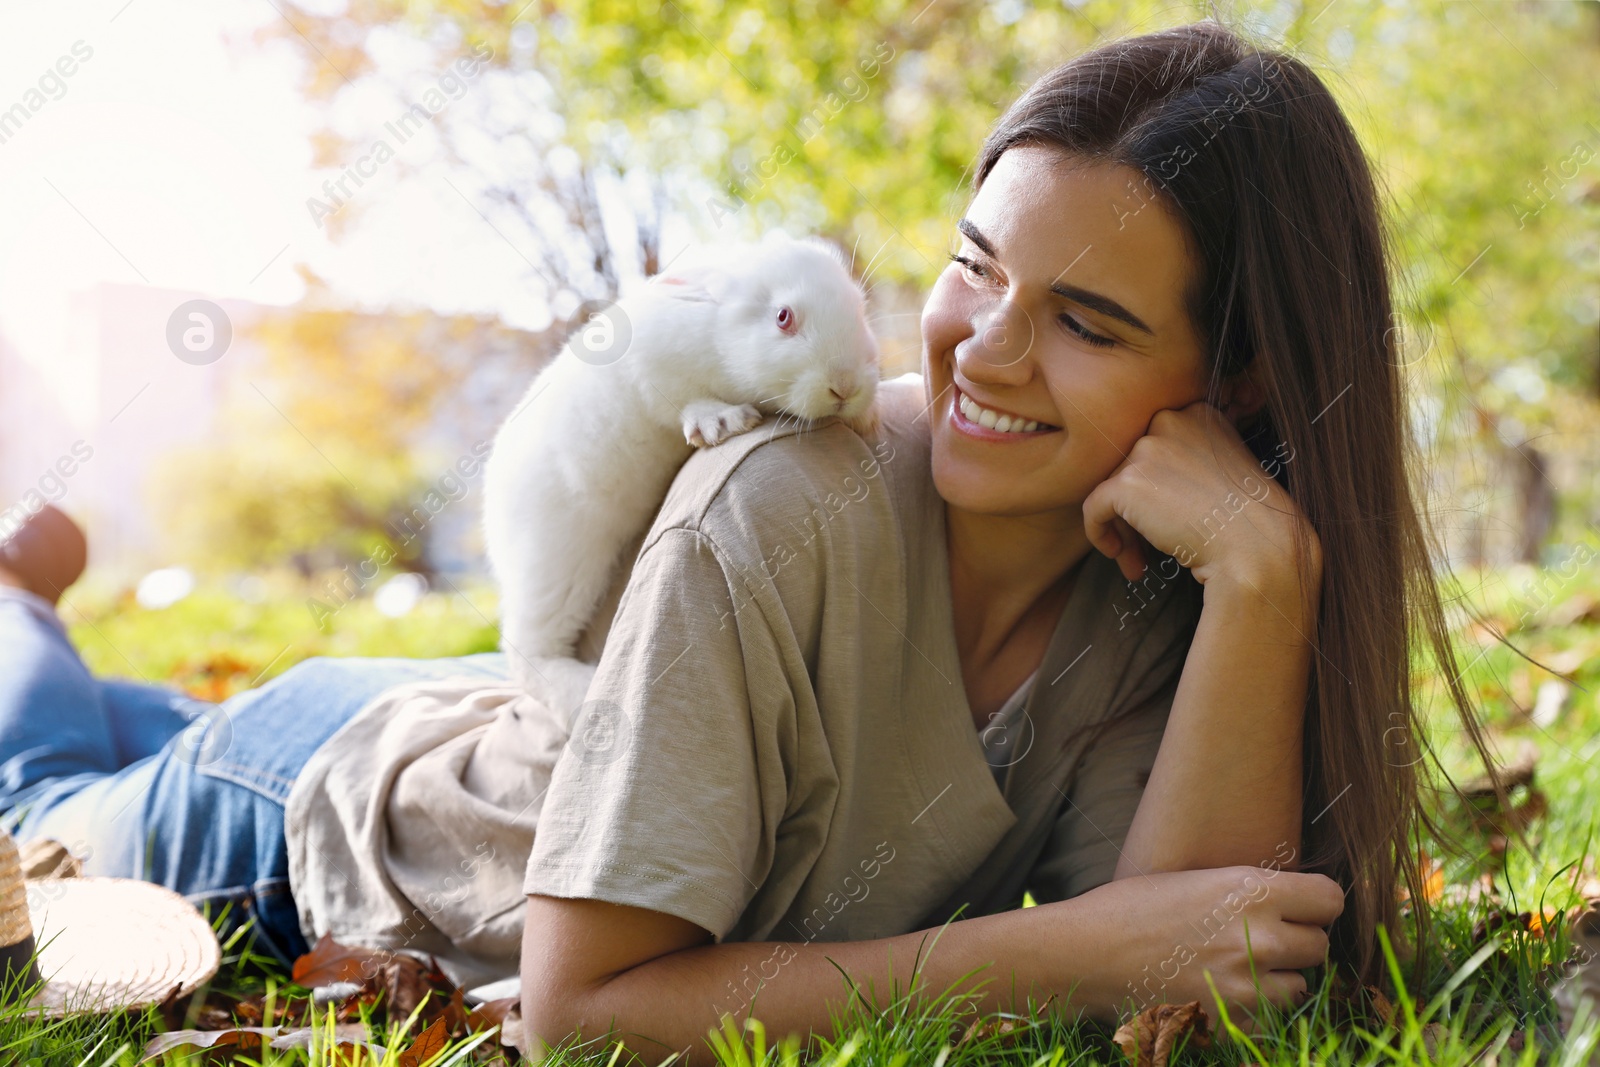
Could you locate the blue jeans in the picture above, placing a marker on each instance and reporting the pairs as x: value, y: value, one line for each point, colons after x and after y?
x: 145, y: 782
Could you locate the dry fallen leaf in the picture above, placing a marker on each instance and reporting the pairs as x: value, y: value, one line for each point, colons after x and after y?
x: 1147, y: 1039
x: 250, y: 1037
x: 1003, y: 1029
x: 255, y: 1039
x: 512, y: 1033
x: 329, y: 962
x: 494, y: 1013
x: 1431, y: 875
x: 403, y: 981
x: 428, y: 1044
x: 407, y: 982
x: 214, y: 678
x: 1381, y: 1005
x: 1501, y: 819
x: 1513, y: 772
x: 1363, y: 1006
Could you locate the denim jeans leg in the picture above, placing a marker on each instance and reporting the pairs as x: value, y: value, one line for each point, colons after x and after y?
x: 214, y: 819
x: 53, y: 729
x: 144, y: 718
x: 142, y: 782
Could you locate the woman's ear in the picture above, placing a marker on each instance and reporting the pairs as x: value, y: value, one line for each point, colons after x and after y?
x: 1242, y: 397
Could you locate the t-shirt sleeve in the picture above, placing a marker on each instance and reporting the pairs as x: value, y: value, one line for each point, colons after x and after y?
x: 1086, y: 842
x: 658, y: 801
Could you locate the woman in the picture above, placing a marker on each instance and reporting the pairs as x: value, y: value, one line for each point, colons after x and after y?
x: 854, y: 688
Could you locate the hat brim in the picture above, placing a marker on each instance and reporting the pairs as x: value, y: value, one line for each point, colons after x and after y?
x: 116, y: 944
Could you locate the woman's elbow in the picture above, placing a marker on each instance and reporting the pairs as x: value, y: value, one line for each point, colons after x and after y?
x: 583, y: 959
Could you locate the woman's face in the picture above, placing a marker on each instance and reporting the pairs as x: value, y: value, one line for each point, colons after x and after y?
x: 1068, y: 313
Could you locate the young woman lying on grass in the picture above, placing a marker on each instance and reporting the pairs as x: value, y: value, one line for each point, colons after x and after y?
x: 856, y: 687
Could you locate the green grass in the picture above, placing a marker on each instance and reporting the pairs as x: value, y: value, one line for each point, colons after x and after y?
x: 216, y: 642
x: 1485, y: 996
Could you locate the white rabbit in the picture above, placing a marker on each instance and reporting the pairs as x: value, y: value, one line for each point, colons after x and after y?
x: 696, y: 356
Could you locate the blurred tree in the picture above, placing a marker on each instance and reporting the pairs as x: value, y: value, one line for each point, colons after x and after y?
x: 366, y: 413
x: 859, y: 120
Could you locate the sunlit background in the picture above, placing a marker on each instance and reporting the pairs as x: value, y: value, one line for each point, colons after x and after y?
x: 394, y: 211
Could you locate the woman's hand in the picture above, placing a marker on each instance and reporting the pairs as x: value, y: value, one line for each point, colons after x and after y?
x: 1177, y: 934
x: 1192, y: 490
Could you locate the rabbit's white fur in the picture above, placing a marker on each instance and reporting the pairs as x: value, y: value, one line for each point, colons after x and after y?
x: 582, y: 463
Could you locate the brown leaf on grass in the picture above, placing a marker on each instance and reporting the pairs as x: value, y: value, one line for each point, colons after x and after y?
x: 512, y: 1033
x: 453, y: 1013
x: 428, y: 1044
x: 329, y: 962
x: 1001, y: 1029
x: 348, y: 1045
x: 1523, y: 805
x: 249, y: 1038
x: 492, y: 1013
x: 1381, y: 1007
x: 1005, y: 1029
x: 1501, y: 920
x: 1147, y: 1039
x: 213, y: 678
x: 1514, y: 772
x: 1353, y: 1006
x: 403, y: 981
x: 1431, y: 875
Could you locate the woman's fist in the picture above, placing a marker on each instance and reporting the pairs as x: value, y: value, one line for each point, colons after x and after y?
x: 1247, y: 930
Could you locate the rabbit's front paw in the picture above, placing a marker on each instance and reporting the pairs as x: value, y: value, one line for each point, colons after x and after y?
x: 867, y: 423
x: 711, y: 422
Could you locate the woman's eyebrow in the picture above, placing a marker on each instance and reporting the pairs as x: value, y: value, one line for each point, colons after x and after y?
x: 1091, y: 300
x: 1103, y: 304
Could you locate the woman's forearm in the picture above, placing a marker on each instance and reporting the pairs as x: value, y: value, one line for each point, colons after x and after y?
x: 671, y: 1002
x: 1226, y: 784
x: 650, y: 980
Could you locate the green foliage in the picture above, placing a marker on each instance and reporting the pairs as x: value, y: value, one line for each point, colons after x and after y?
x: 860, y: 121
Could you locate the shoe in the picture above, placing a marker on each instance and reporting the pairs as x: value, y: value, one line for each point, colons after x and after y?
x: 46, y: 554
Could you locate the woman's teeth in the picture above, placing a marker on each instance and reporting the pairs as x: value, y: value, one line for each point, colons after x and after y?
x: 993, y: 420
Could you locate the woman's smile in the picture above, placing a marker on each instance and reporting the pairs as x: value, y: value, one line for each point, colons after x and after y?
x: 988, y: 422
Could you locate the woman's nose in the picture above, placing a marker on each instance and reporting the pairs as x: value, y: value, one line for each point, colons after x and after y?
x: 997, y: 349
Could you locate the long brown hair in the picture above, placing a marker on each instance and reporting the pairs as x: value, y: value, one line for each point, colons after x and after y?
x: 1249, y: 149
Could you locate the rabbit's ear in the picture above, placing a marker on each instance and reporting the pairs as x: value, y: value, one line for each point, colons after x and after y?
x: 700, y: 282
x: 825, y: 245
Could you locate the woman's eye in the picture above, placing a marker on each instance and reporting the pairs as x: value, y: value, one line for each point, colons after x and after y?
x: 1086, y: 334
x: 970, y: 266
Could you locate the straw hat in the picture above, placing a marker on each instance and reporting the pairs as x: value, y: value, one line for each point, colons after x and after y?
x: 103, y: 944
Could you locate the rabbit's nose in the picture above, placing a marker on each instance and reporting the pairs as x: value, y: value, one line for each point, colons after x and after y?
x: 844, y: 387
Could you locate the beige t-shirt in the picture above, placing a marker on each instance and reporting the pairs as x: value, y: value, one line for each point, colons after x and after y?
x: 776, y: 745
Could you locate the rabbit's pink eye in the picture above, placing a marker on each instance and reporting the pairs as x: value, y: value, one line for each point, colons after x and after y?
x: 785, y: 319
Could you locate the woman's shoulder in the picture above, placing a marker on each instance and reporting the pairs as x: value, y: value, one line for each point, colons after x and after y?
x: 782, y: 479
